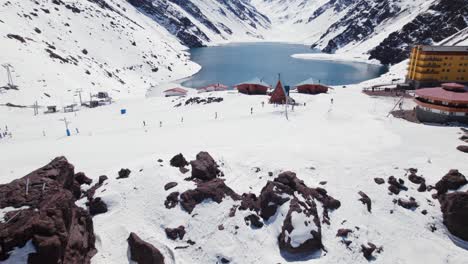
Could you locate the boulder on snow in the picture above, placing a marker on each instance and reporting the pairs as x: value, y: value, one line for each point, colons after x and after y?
x: 408, y: 203
x: 170, y: 185
x: 178, y: 161
x: 214, y: 189
x: 379, y: 181
x: 301, y: 230
x: 204, y: 167
x: 365, y: 200
x: 368, y: 250
x: 124, y: 173
x: 61, y: 232
x: 253, y: 220
x: 96, y: 206
x: 451, y: 181
x: 395, y: 186
x: 174, y: 233
x: 143, y: 252
x: 463, y: 148
x: 343, y: 232
x: 102, y: 179
x: 416, y: 179
x: 172, y: 200
x: 454, y: 208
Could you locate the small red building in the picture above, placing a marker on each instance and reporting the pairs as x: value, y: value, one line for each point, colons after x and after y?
x: 311, y: 87
x: 175, y: 92
x: 255, y: 86
x: 278, y: 96
x: 213, y: 88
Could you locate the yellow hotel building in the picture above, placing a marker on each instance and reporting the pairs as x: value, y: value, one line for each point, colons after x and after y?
x: 430, y: 66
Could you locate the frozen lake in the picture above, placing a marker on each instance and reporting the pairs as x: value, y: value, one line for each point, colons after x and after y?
x: 235, y: 63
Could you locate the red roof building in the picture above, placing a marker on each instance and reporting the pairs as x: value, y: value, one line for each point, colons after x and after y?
x: 448, y: 103
x: 213, y: 88
x: 175, y: 92
x: 278, y: 95
x: 255, y: 86
x: 311, y: 87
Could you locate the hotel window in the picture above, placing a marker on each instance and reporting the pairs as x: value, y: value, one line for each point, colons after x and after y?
x: 459, y: 113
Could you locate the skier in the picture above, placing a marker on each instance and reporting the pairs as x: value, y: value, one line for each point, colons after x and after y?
x: 160, y: 123
x: 263, y: 104
x: 77, y: 131
x: 216, y: 115
x: 144, y: 123
x: 251, y: 110
x: 331, y: 101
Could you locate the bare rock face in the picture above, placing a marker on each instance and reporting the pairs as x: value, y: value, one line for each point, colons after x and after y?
x: 60, y: 231
x: 301, y: 231
x: 81, y: 178
x: 463, y: 148
x: 204, y: 167
x: 174, y: 233
x: 454, y: 208
x: 178, y: 161
x: 143, y: 252
x: 214, y: 189
x: 451, y: 181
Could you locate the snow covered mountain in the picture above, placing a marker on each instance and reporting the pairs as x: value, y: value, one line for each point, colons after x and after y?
x: 58, y: 48
x: 383, y: 28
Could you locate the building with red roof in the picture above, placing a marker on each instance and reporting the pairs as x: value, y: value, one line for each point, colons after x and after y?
x: 309, y: 86
x: 445, y: 104
x: 213, y: 88
x: 255, y: 86
x: 175, y: 92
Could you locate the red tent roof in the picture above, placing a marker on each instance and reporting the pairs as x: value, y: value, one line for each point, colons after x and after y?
x: 278, y: 96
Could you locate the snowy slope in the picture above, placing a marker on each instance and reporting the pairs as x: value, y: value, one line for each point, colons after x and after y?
x: 347, y: 144
x: 96, y: 45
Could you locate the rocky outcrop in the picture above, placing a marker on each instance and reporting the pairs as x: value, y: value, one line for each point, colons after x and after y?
x: 96, y: 206
x: 463, y: 148
x: 214, y: 189
x: 379, y: 181
x: 451, y: 181
x: 454, y: 208
x: 143, y: 252
x: 395, y: 186
x: 172, y: 200
x: 408, y: 203
x: 61, y: 232
x: 369, y: 249
x: 366, y: 200
x: 253, y: 221
x: 204, y: 167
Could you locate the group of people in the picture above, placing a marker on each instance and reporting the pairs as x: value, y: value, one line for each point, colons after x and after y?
x: 5, y: 133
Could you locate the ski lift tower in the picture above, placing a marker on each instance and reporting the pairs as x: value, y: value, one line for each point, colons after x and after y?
x: 10, y: 84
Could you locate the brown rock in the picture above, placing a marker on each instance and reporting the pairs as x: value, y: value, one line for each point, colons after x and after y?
x: 214, y: 189
x: 253, y: 221
x: 143, y: 252
x: 366, y: 200
x: 416, y: 179
x: 379, y: 180
x: 178, y: 161
x: 343, y: 232
x: 204, y: 167
x: 60, y: 231
x: 454, y: 208
x: 408, y: 204
x: 81, y: 178
x: 463, y: 148
x: 124, y: 173
x: 96, y: 206
x: 451, y: 181
x: 172, y: 200
x: 174, y: 233
x: 170, y: 185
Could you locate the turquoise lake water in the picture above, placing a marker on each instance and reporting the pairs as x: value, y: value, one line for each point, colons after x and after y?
x: 235, y: 63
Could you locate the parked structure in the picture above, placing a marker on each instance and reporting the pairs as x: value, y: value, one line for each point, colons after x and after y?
x: 430, y: 66
x: 279, y: 95
x: 448, y: 103
x: 213, y: 88
x: 51, y: 109
x: 255, y: 86
x: 309, y: 86
x: 175, y: 92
